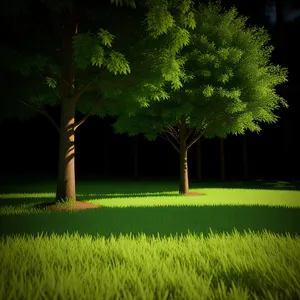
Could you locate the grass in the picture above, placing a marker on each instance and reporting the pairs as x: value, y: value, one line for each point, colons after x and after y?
x: 239, y: 241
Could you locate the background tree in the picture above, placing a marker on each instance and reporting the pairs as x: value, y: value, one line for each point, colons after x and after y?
x: 229, y: 87
x: 81, y: 68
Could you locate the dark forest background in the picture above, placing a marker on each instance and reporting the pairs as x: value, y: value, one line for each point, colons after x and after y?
x: 31, y: 146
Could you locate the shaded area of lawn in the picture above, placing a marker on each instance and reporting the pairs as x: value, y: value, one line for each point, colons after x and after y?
x: 152, y: 220
x: 43, y: 184
x: 19, y: 200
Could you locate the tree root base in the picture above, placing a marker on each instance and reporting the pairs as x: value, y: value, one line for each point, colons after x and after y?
x: 193, y: 194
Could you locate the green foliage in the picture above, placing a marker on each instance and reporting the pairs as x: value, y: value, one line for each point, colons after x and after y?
x: 51, y: 82
x: 159, y: 19
x: 147, y: 59
x: 130, y: 3
x: 227, y: 85
x: 84, y: 49
x: 88, y: 50
x: 106, y: 37
x: 117, y: 63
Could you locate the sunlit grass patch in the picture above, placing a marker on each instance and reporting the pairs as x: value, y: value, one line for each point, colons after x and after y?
x: 226, y: 266
x: 137, y: 246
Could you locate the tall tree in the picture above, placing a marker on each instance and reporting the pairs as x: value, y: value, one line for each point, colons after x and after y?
x: 82, y: 70
x: 229, y: 87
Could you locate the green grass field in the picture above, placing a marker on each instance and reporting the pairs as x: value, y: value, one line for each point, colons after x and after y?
x: 238, y: 241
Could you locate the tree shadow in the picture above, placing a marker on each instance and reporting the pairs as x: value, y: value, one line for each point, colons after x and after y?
x: 42, y: 201
x: 258, y: 184
x: 17, y: 201
x: 165, y: 220
x: 127, y: 187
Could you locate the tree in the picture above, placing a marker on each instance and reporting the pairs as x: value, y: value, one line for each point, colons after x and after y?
x: 228, y: 88
x: 83, y: 72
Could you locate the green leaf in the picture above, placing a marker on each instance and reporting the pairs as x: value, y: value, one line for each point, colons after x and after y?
x: 130, y: 3
x: 159, y: 19
x: 84, y: 46
x: 106, y: 37
x: 117, y: 63
x: 208, y: 91
x: 51, y: 82
x: 98, y: 57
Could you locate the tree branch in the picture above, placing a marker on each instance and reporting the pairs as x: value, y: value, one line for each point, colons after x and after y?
x: 86, y: 88
x: 172, y: 132
x: 94, y: 108
x: 191, y: 131
x: 43, y: 112
x: 213, y: 124
x: 44, y: 79
x: 195, y: 139
x: 168, y: 139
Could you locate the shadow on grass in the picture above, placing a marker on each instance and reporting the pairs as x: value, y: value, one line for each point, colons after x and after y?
x: 103, y: 187
x: 13, y: 201
x: 152, y: 220
x: 16, y: 201
x: 259, y: 184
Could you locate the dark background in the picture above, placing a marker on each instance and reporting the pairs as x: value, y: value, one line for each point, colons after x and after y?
x: 32, y: 146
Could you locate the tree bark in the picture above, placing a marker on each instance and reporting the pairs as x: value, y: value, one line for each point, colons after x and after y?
x: 184, y: 179
x: 198, y: 160
x: 222, y: 159
x: 66, y: 164
x: 245, y: 157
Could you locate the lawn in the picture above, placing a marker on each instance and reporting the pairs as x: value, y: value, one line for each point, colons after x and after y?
x: 238, y: 241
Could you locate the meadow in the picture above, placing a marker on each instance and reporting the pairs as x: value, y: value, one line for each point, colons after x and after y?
x: 239, y: 241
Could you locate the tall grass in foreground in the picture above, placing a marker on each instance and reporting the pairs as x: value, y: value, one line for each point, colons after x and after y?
x: 236, y: 266
x: 91, y: 255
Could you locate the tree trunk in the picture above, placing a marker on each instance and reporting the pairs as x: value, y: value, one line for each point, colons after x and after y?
x: 198, y: 160
x: 135, y: 157
x: 245, y: 157
x: 66, y: 165
x: 184, y: 179
x: 222, y: 159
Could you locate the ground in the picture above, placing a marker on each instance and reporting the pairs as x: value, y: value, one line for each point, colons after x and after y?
x: 79, y: 205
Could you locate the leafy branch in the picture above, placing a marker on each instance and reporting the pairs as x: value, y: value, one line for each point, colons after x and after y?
x: 171, y: 131
x: 91, y: 112
x: 89, y: 87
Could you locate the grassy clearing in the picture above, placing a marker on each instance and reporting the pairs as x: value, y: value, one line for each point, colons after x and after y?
x: 147, y: 242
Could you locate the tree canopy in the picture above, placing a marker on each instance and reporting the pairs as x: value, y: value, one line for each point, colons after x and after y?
x: 229, y: 84
x: 100, y: 55
x: 89, y: 61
